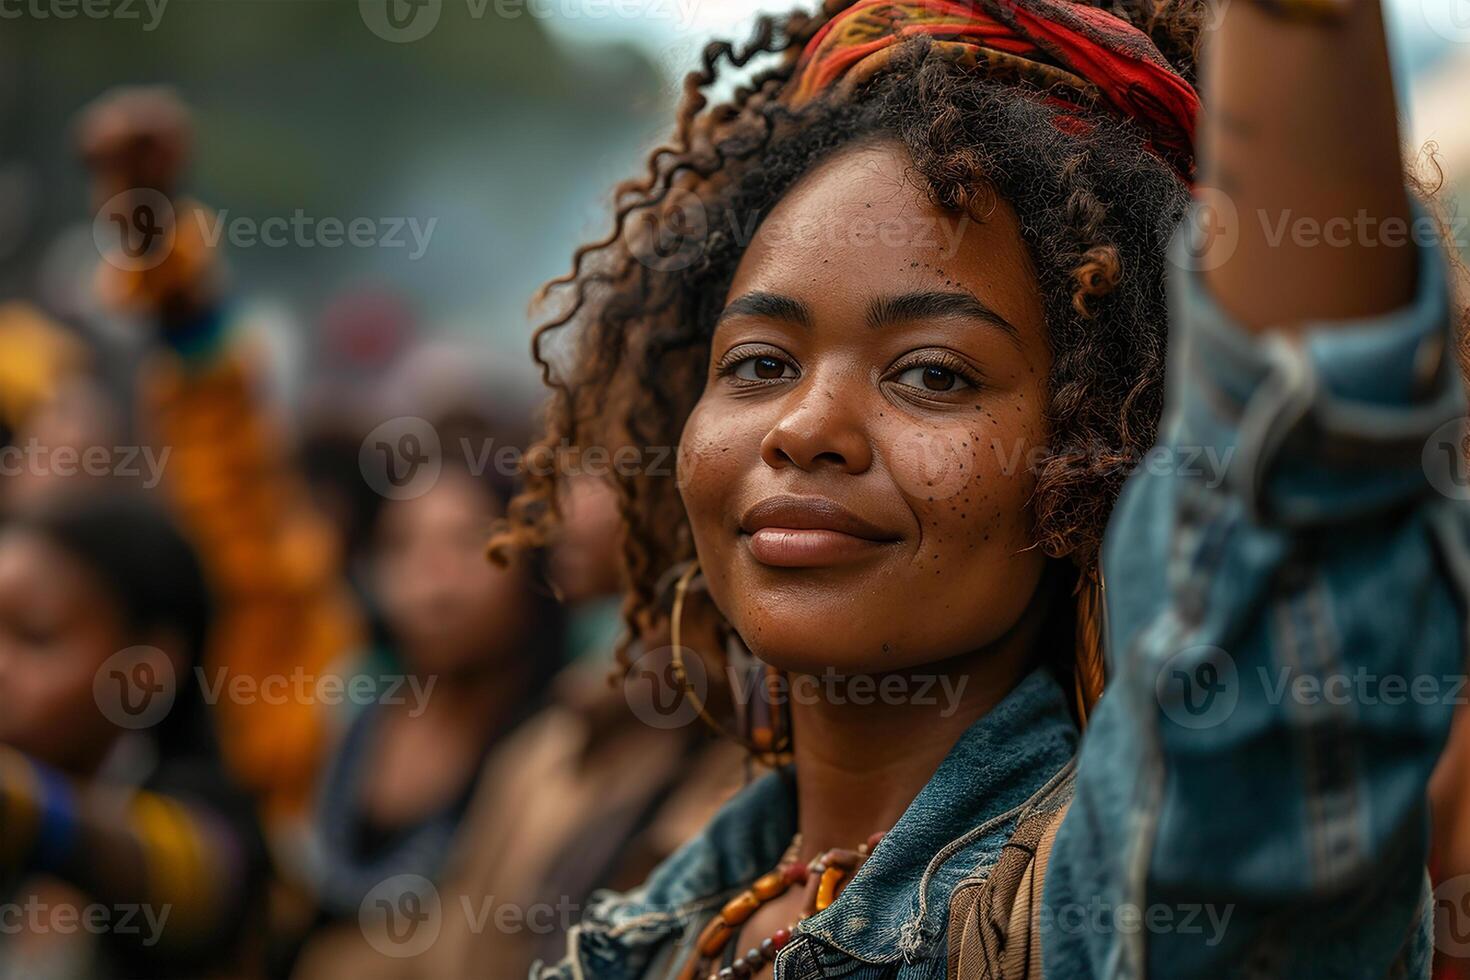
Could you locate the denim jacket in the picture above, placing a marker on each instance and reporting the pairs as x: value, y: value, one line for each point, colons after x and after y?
x: 1285, y: 579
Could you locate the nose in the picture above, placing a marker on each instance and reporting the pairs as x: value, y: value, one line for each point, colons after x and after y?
x: 819, y: 426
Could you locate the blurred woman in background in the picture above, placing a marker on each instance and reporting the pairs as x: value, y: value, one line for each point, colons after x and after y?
x: 477, y: 646
x: 115, y: 807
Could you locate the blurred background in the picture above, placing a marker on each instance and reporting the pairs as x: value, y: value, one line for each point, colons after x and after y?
x: 325, y: 497
x: 506, y: 124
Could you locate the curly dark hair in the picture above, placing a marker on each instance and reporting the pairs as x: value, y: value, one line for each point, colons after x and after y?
x: 626, y: 357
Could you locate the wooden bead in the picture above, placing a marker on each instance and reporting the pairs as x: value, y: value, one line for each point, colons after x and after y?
x: 714, y: 937
x: 795, y: 874
x: 809, y: 896
x: 740, y: 908
x: 769, y: 886
x: 780, y: 938
x: 827, y: 890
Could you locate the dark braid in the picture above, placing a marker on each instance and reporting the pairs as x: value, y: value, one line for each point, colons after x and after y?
x: 1095, y: 208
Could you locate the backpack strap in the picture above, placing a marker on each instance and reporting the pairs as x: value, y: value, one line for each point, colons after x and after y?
x: 994, y: 928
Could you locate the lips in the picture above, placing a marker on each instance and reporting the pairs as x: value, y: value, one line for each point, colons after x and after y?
x: 809, y: 532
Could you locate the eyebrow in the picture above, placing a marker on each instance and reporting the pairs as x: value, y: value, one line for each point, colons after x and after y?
x: 881, y: 312
x: 768, y: 306
x: 886, y: 310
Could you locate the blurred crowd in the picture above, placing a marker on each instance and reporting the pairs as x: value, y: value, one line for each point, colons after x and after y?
x: 266, y: 709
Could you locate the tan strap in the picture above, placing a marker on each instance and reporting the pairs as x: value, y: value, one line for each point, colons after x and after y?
x: 994, y: 923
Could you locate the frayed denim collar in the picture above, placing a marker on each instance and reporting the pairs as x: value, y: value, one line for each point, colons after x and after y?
x: 896, y: 906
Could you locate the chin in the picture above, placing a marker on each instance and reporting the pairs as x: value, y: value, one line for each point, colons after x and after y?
x: 829, y: 637
x: 816, y: 626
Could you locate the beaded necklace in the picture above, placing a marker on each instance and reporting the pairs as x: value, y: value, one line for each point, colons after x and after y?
x: 821, y: 877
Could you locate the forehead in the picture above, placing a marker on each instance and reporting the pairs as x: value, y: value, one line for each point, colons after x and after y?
x: 31, y: 563
x: 861, y: 225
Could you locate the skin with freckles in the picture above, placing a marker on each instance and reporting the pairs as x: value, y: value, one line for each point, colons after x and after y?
x: 882, y: 378
x: 851, y: 481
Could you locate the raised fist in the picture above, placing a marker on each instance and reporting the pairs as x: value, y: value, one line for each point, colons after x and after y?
x: 135, y: 138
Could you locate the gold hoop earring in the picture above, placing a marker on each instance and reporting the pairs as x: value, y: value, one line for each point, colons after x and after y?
x: 681, y: 673
x: 772, y: 750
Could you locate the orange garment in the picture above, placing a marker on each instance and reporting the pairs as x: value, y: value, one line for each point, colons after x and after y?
x: 282, y: 612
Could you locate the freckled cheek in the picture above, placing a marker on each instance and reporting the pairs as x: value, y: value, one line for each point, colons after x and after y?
x: 715, y: 450
x: 962, y: 485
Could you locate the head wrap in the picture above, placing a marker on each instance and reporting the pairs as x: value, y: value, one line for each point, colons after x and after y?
x: 1080, y: 56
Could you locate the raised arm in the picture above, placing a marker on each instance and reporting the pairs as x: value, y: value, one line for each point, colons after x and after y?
x: 1286, y: 611
x: 283, y: 609
x: 1300, y: 137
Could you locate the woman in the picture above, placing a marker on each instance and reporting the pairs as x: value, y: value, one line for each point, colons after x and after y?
x: 901, y: 306
x: 480, y: 645
x: 126, y: 851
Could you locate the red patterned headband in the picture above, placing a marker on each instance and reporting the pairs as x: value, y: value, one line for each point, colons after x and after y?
x: 1080, y: 56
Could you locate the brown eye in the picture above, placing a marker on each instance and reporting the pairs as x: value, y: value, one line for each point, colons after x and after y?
x: 938, y: 379
x: 933, y: 377
x: 764, y: 367
x: 768, y: 368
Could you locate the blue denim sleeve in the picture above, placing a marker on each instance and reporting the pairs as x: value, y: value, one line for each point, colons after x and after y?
x: 1285, y: 578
